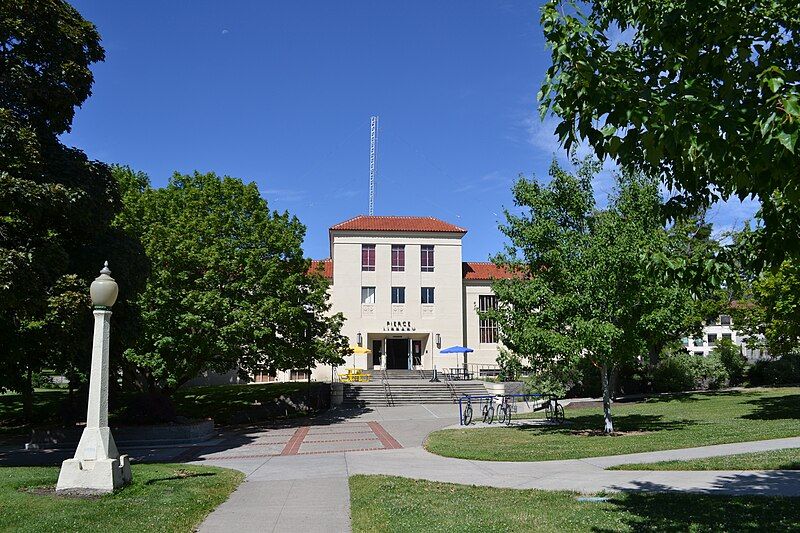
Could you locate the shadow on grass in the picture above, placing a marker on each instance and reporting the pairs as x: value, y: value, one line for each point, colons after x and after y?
x: 181, y: 474
x: 775, y: 408
x: 691, y: 397
x: 732, y: 503
x: 622, y: 424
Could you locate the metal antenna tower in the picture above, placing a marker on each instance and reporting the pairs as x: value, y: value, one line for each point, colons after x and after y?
x: 373, y: 141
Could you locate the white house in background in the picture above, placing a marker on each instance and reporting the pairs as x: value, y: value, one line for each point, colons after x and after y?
x: 406, y: 294
x: 715, y: 330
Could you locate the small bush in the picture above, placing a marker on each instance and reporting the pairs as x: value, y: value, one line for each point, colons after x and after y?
x: 732, y: 359
x: 510, y: 366
x: 683, y: 371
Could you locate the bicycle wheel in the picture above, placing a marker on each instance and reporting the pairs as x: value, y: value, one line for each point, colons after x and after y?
x: 501, y: 414
x: 508, y: 415
x: 489, y: 416
x: 559, y: 413
x: 548, y: 410
x: 467, y: 415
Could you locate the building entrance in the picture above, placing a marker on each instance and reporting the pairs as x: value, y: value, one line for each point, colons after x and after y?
x: 397, y: 353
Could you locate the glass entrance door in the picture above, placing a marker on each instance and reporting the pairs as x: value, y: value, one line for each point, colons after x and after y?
x: 416, y: 353
x: 377, y: 351
x: 397, y: 353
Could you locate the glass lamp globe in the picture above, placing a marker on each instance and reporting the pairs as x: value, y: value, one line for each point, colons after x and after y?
x: 104, y: 289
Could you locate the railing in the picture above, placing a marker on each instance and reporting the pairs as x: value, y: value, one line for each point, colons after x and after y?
x: 480, y: 370
x: 452, y: 389
x: 387, y: 390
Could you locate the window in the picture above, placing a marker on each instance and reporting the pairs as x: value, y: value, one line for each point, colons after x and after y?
x: 297, y: 375
x: 368, y: 257
x: 487, y: 328
x: 698, y: 341
x: 398, y: 295
x: 727, y: 336
x: 367, y: 295
x: 712, y: 339
x: 725, y: 320
x: 699, y: 354
x: 426, y: 258
x: 427, y: 295
x: 685, y: 341
x: 398, y: 258
x: 711, y: 321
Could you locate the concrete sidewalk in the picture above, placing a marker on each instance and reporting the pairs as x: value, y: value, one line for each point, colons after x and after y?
x: 309, y: 491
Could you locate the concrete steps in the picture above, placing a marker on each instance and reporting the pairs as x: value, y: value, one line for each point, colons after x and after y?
x: 407, y: 391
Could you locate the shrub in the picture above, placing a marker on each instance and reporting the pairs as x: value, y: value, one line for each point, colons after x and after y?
x: 510, y: 366
x: 683, y: 371
x: 780, y: 371
x: 730, y: 355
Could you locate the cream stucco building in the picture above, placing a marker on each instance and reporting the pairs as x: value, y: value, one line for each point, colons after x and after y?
x: 406, y: 293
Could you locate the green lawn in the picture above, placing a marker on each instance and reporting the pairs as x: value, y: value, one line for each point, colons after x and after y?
x: 382, y: 503
x: 788, y: 459
x: 164, y: 497
x: 658, y: 424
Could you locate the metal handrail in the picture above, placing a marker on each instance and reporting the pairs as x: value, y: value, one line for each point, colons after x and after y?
x: 451, y: 388
x: 387, y: 391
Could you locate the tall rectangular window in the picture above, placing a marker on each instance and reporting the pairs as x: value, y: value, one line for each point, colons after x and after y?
x: 487, y: 328
x: 725, y: 320
x: 368, y: 257
x: 367, y: 295
x: 712, y: 339
x: 426, y: 258
x: 427, y: 295
x: 398, y: 258
x: 398, y: 295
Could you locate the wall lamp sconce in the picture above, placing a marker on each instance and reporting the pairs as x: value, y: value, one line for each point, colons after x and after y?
x: 438, y: 341
x: 359, y: 339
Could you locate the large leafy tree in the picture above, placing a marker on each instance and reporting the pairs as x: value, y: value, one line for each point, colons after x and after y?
x: 229, y: 286
x: 55, y: 205
x: 586, y: 284
x: 704, y: 95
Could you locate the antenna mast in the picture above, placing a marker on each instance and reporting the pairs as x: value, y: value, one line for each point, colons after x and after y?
x: 373, y: 141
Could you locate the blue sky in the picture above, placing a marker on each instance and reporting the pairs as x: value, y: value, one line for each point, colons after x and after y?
x: 280, y: 93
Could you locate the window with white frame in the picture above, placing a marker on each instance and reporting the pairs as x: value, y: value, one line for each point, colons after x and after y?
x: 427, y: 295
x: 398, y: 258
x: 368, y: 257
x: 367, y: 295
x: 426, y: 258
x: 398, y: 295
x: 487, y: 328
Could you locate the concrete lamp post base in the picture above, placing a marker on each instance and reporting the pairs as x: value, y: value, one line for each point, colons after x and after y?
x: 98, y: 476
x: 97, y: 466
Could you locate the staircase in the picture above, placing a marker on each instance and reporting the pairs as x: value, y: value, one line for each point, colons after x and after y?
x: 407, y: 387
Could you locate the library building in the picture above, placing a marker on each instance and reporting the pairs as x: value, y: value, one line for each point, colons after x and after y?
x: 406, y: 294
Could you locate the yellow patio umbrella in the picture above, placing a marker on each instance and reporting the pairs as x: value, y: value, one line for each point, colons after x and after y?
x: 355, y: 349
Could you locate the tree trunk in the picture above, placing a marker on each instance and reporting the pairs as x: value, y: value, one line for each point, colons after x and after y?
x: 27, y: 397
x: 604, y: 378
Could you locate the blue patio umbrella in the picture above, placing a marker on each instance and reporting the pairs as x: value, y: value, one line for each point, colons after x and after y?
x: 459, y: 349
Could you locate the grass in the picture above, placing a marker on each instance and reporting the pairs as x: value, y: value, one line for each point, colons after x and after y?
x: 383, y: 503
x: 788, y: 459
x: 218, y: 402
x: 658, y: 424
x: 164, y: 497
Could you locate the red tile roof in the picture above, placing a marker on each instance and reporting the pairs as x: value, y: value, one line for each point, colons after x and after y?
x: 381, y: 223
x: 325, y: 264
x: 483, y: 271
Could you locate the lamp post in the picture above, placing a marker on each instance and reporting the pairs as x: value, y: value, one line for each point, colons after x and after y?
x: 97, y: 465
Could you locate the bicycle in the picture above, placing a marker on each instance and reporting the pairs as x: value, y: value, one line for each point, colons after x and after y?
x: 554, y: 411
x: 466, y: 417
x: 488, y: 411
x: 504, y: 411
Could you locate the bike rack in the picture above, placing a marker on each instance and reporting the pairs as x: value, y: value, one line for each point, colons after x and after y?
x: 527, y: 398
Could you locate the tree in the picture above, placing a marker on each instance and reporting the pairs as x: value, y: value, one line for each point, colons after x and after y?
x: 229, y: 286
x: 55, y: 204
x: 584, y: 285
x: 770, y: 312
x: 703, y: 95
